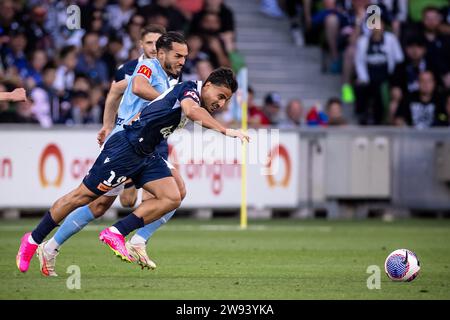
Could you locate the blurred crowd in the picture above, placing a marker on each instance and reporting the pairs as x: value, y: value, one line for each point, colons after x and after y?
x: 67, y: 72
x: 395, y: 69
x: 394, y: 58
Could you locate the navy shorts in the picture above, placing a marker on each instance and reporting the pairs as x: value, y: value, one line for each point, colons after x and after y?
x: 118, y: 161
x: 163, y: 150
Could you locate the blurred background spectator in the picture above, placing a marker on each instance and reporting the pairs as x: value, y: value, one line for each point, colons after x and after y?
x: 67, y: 72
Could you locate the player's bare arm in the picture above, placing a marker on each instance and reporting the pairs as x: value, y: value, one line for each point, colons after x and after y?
x: 143, y: 89
x: 16, y: 95
x: 196, y: 113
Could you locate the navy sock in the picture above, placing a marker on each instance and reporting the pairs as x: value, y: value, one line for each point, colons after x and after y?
x: 129, y: 223
x: 46, y: 226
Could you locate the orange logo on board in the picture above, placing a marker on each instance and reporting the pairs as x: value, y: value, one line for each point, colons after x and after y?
x: 281, y: 152
x: 51, y: 150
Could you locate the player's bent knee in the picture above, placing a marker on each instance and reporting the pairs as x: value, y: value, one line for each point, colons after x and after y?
x: 172, y: 201
x: 101, y: 205
x: 127, y: 201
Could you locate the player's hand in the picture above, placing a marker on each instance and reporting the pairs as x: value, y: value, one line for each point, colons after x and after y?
x: 238, y: 134
x: 18, y: 95
x: 102, y: 134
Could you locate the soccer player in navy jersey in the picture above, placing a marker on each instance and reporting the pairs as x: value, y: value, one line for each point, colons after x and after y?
x: 152, y: 76
x: 131, y: 153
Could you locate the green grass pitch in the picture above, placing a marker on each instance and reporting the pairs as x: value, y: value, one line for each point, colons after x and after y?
x: 276, y: 259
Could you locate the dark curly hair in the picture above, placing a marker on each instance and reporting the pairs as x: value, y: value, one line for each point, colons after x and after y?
x: 223, y: 77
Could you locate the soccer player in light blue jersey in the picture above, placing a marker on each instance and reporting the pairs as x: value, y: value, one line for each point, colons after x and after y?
x: 149, y: 78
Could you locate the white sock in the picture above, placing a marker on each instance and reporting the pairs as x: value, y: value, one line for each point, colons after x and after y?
x: 137, y: 239
x: 51, y: 247
x: 31, y: 240
x: 114, y: 229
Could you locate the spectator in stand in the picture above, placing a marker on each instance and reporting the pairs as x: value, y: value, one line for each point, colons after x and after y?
x: 195, y: 44
x: 406, y: 74
x: 354, y: 26
x: 34, y: 72
x: 119, y: 14
x: 272, y: 107
x: 132, y: 36
x: 89, y: 61
x: 329, y: 21
x: 294, y: 115
x: 438, y: 43
x: 203, y: 69
x: 335, y: 113
x: 37, y: 35
x: 256, y: 117
x: 424, y: 108
x: 99, y: 25
x: 296, y: 22
x: 167, y: 8
x: 396, y: 11
x: 45, y: 99
x: 316, y: 117
x: 213, y: 44
x: 56, y: 23
x: 14, y: 53
x: 226, y: 17
x: 111, y: 55
x: 82, y: 111
x: 189, y: 7
x: 97, y: 98
x: 65, y: 74
x: 9, y: 19
x: 376, y: 58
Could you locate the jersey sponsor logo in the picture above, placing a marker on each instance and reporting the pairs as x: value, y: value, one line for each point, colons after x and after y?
x: 166, y: 132
x: 191, y: 94
x: 119, y: 121
x: 146, y: 71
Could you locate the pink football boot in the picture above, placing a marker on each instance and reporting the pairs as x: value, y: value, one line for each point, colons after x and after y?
x: 117, y: 244
x: 25, y: 254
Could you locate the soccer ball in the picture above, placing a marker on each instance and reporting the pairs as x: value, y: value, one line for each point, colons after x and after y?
x: 402, y: 265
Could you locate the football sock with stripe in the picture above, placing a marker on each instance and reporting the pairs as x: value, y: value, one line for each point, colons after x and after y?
x: 143, y: 234
x: 74, y: 222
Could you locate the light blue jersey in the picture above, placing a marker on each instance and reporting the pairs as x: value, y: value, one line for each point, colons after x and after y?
x: 131, y: 104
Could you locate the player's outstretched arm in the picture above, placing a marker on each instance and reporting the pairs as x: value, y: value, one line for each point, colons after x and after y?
x: 111, y: 106
x: 196, y: 113
x: 18, y: 94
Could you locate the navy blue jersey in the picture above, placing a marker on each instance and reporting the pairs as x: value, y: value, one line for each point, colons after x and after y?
x: 161, y: 117
x: 125, y: 70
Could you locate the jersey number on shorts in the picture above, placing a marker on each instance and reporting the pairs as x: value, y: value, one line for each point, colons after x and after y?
x: 107, y: 185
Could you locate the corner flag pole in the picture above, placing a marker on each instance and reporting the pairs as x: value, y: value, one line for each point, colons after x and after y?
x: 244, y: 122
